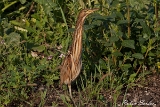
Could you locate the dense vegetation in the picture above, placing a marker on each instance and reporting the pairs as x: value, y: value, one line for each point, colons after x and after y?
x: 121, y: 45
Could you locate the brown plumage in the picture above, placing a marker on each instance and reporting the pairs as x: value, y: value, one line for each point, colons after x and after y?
x: 72, y: 63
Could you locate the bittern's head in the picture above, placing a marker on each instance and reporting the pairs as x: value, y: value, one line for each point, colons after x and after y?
x: 86, y: 12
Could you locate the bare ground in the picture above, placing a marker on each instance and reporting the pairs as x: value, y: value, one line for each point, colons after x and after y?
x: 145, y: 93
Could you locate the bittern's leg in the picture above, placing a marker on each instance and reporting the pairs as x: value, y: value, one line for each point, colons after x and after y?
x: 70, y: 91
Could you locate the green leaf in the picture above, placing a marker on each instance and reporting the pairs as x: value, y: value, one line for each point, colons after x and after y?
x: 41, y: 67
x: 117, y: 53
x: 113, y: 39
x: 139, y: 4
x: 14, y: 22
x: 121, y: 16
x: 128, y: 43
x: 22, y: 1
x: 151, y: 54
x: 107, y: 44
x: 132, y: 78
x: 99, y: 17
x: 141, y: 40
x: 111, y: 17
x: 13, y: 38
x: 125, y: 67
x: 55, y: 78
x: 138, y: 56
x: 115, y: 3
x: 103, y: 64
x: 86, y: 27
x: 119, y: 87
x: 143, y: 49
x: 49, y: 33
x: 122, y: 22
x: 39, y: 48
x: 146, y: 29
x: 96, y: 23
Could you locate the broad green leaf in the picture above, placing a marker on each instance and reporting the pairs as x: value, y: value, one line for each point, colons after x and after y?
x: 132, y: 78
x: 122, y: 22
x: 39, y: 48
x: 86, y: 27
x: 13, y: 38
x: 117, y: 53
x: 119, y: 87
x: 119, y: 15
x: 22, y: 1
x: 96, y: 23
x: 99, y: 17
x: 71, y: 30
x: 128, y: 43
x: 125, y: 67
x: 113, y: 39
x: 107, y: 44
x: 112, y: 16
x: 151, y: 54
x: 49, y: 33
x: 41, y: 67
x: 1, y: 63
x: 115, y: 3
x: 103, y: 64
x: 14, y: 22
x: 151, y: 41
x: 39, y: 24
x: 146, y: 29
x: 143, y: 49
x: 138, y: 56
x: 141, y: 40
x: 55, y: 78
x: 139, y: 4
x: 158, y: 65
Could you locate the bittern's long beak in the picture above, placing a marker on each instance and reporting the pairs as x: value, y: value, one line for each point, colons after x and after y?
x: 92, y: 10
x: 95, y: 9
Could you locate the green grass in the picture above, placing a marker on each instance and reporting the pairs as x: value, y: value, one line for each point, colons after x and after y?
x: 120, y: 47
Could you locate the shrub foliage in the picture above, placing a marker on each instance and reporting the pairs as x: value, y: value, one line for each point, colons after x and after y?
x: 122, y: 38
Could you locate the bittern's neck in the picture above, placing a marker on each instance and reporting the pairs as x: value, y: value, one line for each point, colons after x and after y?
x: 76, y: 47
x: 79, y: 27
x: 80, y: 21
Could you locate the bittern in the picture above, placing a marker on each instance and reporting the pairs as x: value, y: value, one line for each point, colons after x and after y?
x: 72, y: 63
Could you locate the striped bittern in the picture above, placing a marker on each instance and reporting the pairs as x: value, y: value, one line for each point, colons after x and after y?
x: 72, y: 63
